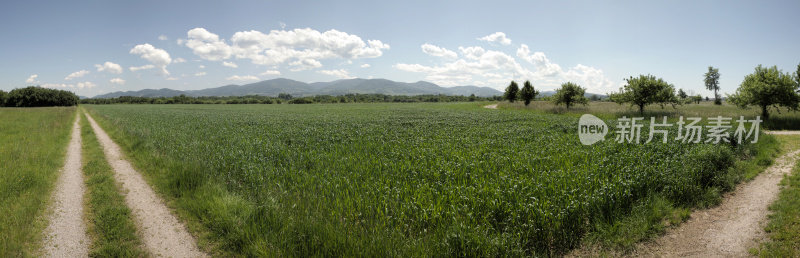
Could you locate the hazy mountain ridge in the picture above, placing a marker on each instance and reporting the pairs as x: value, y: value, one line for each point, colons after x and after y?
x: 296, y: 88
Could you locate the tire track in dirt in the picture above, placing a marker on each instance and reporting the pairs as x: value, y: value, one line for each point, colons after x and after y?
x: 730, y: 229
x: 162, y: 233
x: 65, y: 235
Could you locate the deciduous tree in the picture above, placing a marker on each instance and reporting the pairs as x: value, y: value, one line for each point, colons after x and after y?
x: 765, y: 88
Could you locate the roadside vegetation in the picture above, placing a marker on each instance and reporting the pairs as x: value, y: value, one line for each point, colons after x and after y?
x: 33, y: 146
x: 783, y: 228
x: 110, y: 226
x: 413, y: 179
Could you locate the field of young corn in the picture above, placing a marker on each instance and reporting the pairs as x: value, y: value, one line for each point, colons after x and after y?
x: 403, y: 179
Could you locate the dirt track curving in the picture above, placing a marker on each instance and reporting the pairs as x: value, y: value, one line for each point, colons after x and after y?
x: 162, y: 233
x: 733, y: 227
x: 65, y: 236
x: 492, y: 106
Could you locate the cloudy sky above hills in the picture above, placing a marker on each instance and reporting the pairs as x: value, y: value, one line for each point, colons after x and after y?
x: 95, y: 47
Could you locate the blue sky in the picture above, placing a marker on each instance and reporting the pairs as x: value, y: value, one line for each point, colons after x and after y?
x: 95, y: 47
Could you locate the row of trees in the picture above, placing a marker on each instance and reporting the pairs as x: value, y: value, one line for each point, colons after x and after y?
x: 285, y: 98
x: 33, y: 96
x: 767, y: 87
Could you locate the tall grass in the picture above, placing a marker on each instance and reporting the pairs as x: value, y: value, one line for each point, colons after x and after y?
x: 32, y: 149
x: 400, y: 179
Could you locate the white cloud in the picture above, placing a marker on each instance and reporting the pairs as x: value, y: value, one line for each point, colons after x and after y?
x: 438, y: 51
x: 32, y: 78
x: 365, y: 66
x: 172, y: 79
x: 158, y: 57
x: 230, y: 64
x: 495, y: 69
x: 178, y: 60
x: 302, y: 48
x: 144, y: 67
x: 543, y: 65
x: 242, y: 78
x: 497, y: 37
x: 162, y: 37
x: 200, y: 74
x: 341, y: 73
x: 180, y: 41
x: 207, y: 45
x: 77, y: 74
x: 201, y: 66
x: 109, y: 67
x: 119, y: 81
x: 305, y: 64
x: 57, y: 85
x: 87, y: 85
x: 270, y: 72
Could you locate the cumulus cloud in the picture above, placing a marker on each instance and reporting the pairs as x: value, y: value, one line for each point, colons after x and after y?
x: 32, y: 78
x: 230, y: 64
x: 119, y: 81
x: 270, y: 72
x: 302, y: 48
x: 156, y: 56
x: 438, y: 51
x: 201, y: 66
x: 172, y: 79
x: 77, y: 74
x: 492, y: 68
x: 200, y: 74
x: 109, y: 67
x: 305, y: 64
x: 162, y: 37
x: 497, y: 37
x: 365, y: 66
x: 144, y: 67
x: 82, y: 85
x: 178, y: 60
x: 340, y: 73
x: 242, y: 78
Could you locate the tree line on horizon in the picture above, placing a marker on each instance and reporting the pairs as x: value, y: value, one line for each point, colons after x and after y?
x: 33, y: 96
x: 288, y: 98
x: 767, y: 88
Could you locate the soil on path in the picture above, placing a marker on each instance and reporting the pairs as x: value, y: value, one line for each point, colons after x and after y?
x: 730, y: 229
x: 162, y: 233
x: 65, y: 235
x: 492, y: 106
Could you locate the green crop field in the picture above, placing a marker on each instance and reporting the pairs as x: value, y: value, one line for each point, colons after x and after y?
x: 33, y: 142
x: 408, y: 179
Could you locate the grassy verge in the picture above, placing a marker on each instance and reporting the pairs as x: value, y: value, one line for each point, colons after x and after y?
x: 111, y: 227
x: 652, y: 216
x: 32, y: 149
x: 783, y: 227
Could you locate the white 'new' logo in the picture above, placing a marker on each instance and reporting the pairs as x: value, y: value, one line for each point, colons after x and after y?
x: 591, y: 129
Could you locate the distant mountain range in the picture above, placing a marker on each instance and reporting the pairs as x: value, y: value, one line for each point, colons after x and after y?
x: 295, y: 88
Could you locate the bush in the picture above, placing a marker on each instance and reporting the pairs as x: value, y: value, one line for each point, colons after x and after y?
x: 33, y: 96
x: 301, y: 101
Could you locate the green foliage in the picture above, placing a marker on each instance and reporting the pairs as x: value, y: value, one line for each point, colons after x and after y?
x: 682, y: 94
x: 765, y: 88
x: 511, y: 92
x: 442, y: 179
x: 569, y: 94
x: 528, y: 93
x: 645, y: 90
x: 32, y: 147
x: 712, y: 83
x: 3, y: 96
x: 110, y: 220
x: 33, y: 96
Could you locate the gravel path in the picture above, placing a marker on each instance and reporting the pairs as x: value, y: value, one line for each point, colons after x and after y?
x: 162, y: 233
x: 730, y: 229
x: 783, y: 132
x: 65, y: 236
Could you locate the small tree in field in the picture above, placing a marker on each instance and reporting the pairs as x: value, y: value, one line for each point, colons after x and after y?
x: 682, y: 94
x: 712, y: 83
x: 511, y: 92
x: 569, y: 94
x: 645, y: 90
x: 767, y: 87
x: 528, y: 93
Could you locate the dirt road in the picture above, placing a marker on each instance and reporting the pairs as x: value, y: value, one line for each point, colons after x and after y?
x: 730, y: 229
x: 162, y: 233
